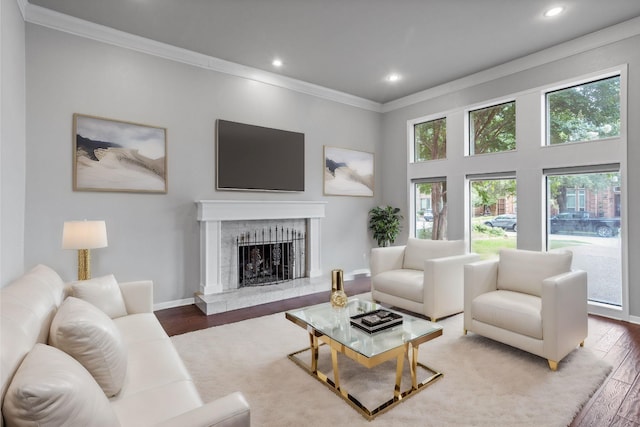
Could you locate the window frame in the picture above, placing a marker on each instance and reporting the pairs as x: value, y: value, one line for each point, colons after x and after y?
x: 469, y: 149
x: 413, y: 202
x: 576, y: 83
x: 415, y: 160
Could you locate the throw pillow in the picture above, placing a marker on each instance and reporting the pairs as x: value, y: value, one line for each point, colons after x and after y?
x: 104, y: 293
x: 51, y: 388
x: 90, y: 336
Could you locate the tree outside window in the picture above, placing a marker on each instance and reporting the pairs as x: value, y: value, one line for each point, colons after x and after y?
x: 493, y: 129
x: 430, y: 139
x: 584, y: 112
x: 431, y: 223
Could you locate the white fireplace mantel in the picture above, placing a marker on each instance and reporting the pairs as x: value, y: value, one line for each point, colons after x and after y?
x: 238, y: 210
x: 212, y: 213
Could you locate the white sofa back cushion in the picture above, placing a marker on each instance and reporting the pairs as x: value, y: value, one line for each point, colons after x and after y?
x: 104, y: 293
x: 52, y: 389
x: 88, y: 335
x: 419, y: 250
x: 523, y: 271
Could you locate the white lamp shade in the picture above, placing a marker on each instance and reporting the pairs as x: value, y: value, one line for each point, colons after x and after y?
x: 84, y: 235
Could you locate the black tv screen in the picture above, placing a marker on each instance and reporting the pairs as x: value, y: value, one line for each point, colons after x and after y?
x: 258, y: 158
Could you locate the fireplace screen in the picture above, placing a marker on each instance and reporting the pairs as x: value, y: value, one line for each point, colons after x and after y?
x: 270, y: 256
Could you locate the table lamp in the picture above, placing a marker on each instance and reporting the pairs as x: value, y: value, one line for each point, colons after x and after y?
x: 84, y: 236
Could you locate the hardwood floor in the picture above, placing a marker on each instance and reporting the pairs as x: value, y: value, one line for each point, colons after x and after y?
x: 615, y: 404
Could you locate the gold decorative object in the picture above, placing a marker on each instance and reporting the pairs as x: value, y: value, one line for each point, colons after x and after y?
x: 338, y: 297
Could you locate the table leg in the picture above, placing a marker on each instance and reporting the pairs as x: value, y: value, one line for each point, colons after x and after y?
x: 397, y: 393
x: 414, y: 367
x: 334, y: 362
x: 313, y: 345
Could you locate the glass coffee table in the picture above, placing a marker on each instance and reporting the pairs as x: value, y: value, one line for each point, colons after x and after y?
x: 332, y: 327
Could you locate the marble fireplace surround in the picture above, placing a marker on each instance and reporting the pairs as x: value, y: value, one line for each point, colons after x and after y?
x: 214, y: 296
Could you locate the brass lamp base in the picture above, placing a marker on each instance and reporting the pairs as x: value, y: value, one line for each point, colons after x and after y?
x: 84, y: 264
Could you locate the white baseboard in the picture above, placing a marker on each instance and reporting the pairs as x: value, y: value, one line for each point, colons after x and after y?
x: 174, y: 303
x: 361, y: 272
x: 634, y: 319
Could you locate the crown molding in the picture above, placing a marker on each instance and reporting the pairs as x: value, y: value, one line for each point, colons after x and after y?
x: 58, y: 21
x: 47, y: 18
x: 590, y: 41
x: 22, y: 5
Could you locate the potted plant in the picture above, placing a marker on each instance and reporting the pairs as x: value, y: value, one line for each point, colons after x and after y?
x: 384, y: 222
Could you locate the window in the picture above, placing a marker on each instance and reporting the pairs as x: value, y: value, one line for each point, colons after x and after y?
x: 430, y: 201
x: 591, y: 233
x: 430, y: 140
x: 570, y: 196
x: 585, y: 112
x: 493, y: 129
x: 573, y: 182
x: 494, y: 223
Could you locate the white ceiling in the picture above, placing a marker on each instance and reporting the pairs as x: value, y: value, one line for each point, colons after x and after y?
x: 352, y: 45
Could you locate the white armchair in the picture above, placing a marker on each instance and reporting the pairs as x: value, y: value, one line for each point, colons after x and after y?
x: 529, y: 300
x: 424, y: 276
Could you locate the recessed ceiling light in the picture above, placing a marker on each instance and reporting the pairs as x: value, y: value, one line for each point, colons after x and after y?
x: 393, y: 77
x: 277, y: 63
x: 554, y: 11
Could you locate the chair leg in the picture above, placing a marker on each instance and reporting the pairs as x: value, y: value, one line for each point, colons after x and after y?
x: 553, y: 365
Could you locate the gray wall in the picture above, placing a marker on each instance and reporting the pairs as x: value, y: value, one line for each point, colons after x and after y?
x: 395, y: 142
x: 12, y: 141
x: 155, y: 236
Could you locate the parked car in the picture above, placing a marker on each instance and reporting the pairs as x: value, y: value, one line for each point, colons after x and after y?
x: 584, y: 222
x: 428, y: 215
x: 506, y: 222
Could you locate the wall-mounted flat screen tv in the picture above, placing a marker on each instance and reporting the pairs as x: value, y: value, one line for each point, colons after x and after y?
x: 258, y: 158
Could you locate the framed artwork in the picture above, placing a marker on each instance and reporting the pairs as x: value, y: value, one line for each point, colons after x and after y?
x: 347, y: 172
x: 112, y: 155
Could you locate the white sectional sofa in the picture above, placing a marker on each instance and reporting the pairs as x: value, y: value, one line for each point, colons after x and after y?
x: 109, y: 364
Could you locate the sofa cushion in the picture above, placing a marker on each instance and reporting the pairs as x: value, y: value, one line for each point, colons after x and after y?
x: 104, y: 293
x: 524, y: 271
x: 156, y: 405
x: 88, y: 335
x: 403, y: 283
x: 140, y: 327
x: 514, y: 311
x: 52, y: 388
x: 419, y: 250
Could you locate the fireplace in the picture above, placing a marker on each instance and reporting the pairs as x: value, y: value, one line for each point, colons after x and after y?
x: 233, y: 230
x: 269, y: 256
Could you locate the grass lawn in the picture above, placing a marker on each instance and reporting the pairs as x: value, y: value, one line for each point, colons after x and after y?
x: 488, y: 247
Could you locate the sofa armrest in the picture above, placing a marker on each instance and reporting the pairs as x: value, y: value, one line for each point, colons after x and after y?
x: 564, y: 313
x: 385, y: 259
x: 138, y: 296
x: 479, y: 278
x: 231, y: 410
x: 443, y: 283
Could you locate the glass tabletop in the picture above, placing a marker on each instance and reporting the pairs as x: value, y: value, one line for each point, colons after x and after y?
x: 335, y: 323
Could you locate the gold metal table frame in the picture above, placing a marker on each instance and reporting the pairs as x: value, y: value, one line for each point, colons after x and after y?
x: 407, y: 350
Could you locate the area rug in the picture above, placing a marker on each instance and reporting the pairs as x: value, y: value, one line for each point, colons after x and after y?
x: 484, y: 384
